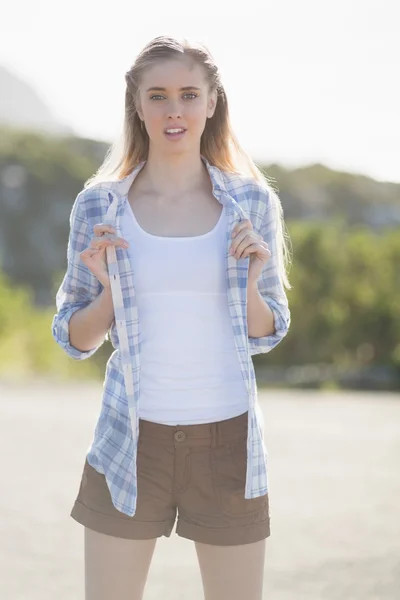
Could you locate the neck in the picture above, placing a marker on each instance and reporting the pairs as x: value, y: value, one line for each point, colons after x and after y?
x: 169, y: 175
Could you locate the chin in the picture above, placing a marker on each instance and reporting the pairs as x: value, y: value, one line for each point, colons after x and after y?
x: 175, y: 149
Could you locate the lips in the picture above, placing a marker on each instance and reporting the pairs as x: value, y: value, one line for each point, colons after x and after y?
x: 174, y: 134
x: 174, y: 130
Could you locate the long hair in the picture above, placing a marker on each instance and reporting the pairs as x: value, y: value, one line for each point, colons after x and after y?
x: 218, y: 145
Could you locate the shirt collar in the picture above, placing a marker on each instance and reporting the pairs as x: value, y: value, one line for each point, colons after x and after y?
x: 122, y: 186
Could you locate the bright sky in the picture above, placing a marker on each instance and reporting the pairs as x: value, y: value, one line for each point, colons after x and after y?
x: 309, y: 80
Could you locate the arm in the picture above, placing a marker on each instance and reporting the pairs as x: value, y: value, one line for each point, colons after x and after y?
x: 260, y: 318
x: 275, y: 315
x: 88, y: 326
x: 81, y: 296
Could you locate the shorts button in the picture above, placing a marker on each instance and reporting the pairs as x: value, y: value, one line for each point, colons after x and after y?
x: 180, y: 436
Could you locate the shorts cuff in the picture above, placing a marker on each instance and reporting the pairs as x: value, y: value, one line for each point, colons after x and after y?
x: 122, y: 528
x: 224, y: 536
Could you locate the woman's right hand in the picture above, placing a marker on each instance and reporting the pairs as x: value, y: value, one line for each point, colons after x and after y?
x: 94, y: 257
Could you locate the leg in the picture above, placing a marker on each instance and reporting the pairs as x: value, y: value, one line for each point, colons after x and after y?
x: 116, y: 568
x: 232, y: 572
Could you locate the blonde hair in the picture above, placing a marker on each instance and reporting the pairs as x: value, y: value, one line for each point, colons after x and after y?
x: 218, y: 145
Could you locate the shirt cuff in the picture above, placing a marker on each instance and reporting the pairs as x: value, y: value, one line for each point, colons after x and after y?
x: 60, y: 332
x: 261, y: 345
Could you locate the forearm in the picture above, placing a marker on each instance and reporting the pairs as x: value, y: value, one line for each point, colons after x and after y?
x: 88, y: 326
x: 260, y: 320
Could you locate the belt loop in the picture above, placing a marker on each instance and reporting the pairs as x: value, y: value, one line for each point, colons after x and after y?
x: 214, y: 435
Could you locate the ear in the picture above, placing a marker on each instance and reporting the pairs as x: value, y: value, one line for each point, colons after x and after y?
x: 212, y: 103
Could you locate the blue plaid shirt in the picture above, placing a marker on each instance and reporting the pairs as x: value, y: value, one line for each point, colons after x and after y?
x: 113, y: 451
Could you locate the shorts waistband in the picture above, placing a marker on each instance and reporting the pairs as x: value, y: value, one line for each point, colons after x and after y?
x: 202, y: 434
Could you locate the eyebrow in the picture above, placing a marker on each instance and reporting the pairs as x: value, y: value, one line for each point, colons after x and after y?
x: 182, y: 89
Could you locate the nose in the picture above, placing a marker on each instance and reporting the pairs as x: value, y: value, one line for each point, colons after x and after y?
x: 174, y: 109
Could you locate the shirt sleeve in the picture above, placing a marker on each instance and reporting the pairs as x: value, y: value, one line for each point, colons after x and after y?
x: 270, y: 284
x: 79, y: 286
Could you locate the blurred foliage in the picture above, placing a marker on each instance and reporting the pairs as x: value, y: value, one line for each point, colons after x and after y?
x: 344, y: 229
x: 50, y: 159
x: 344, y: 303
x: 40, y: 177
x: 345, y: 299
x: 26, y: 346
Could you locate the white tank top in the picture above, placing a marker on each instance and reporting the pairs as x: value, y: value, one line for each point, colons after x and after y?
x: 190, y: 370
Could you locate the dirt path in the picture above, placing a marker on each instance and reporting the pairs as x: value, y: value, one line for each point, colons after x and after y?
x: 334, y: 475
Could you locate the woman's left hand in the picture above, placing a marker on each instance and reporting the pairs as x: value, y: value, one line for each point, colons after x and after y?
x: 248, y: 243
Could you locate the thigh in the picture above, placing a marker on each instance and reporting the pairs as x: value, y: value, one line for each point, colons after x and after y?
x: 232, y: 572
x: 115, y: 567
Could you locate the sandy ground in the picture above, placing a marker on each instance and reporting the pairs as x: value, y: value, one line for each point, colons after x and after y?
x: 334, y: 473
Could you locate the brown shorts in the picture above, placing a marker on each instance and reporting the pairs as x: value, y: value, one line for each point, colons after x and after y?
x: 195, y: 471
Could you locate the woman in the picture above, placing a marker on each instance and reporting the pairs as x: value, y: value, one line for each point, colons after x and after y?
x: 177, y: 253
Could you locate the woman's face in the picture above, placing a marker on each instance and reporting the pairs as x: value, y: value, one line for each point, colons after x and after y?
x: 175, y: 102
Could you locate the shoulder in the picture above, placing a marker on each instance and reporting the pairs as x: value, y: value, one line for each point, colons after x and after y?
x: 255, y: 197
x: 92, y: 202
x: 247, y: 189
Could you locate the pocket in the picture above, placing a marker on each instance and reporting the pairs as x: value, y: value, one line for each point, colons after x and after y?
x: 229, y: 474
x: 94, y: 492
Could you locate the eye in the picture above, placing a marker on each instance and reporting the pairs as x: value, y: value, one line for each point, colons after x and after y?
x: 156, y: 96
x: 192, y: 94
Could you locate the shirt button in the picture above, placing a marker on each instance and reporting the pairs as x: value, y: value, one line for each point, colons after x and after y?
x: 180, y: 436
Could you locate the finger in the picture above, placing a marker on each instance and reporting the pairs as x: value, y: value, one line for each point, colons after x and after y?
x: 112, y: 238
x: 248, y: 238
x: 88, y: 254
x: 245, y: 224
x: 98, y: 243
x: 105, y: 236
x: 108, y: 240
x: 102, y: 228
x: 242, y: 240
x: 241, y: 248
x: 264, y: 253
x: 263, y: 244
